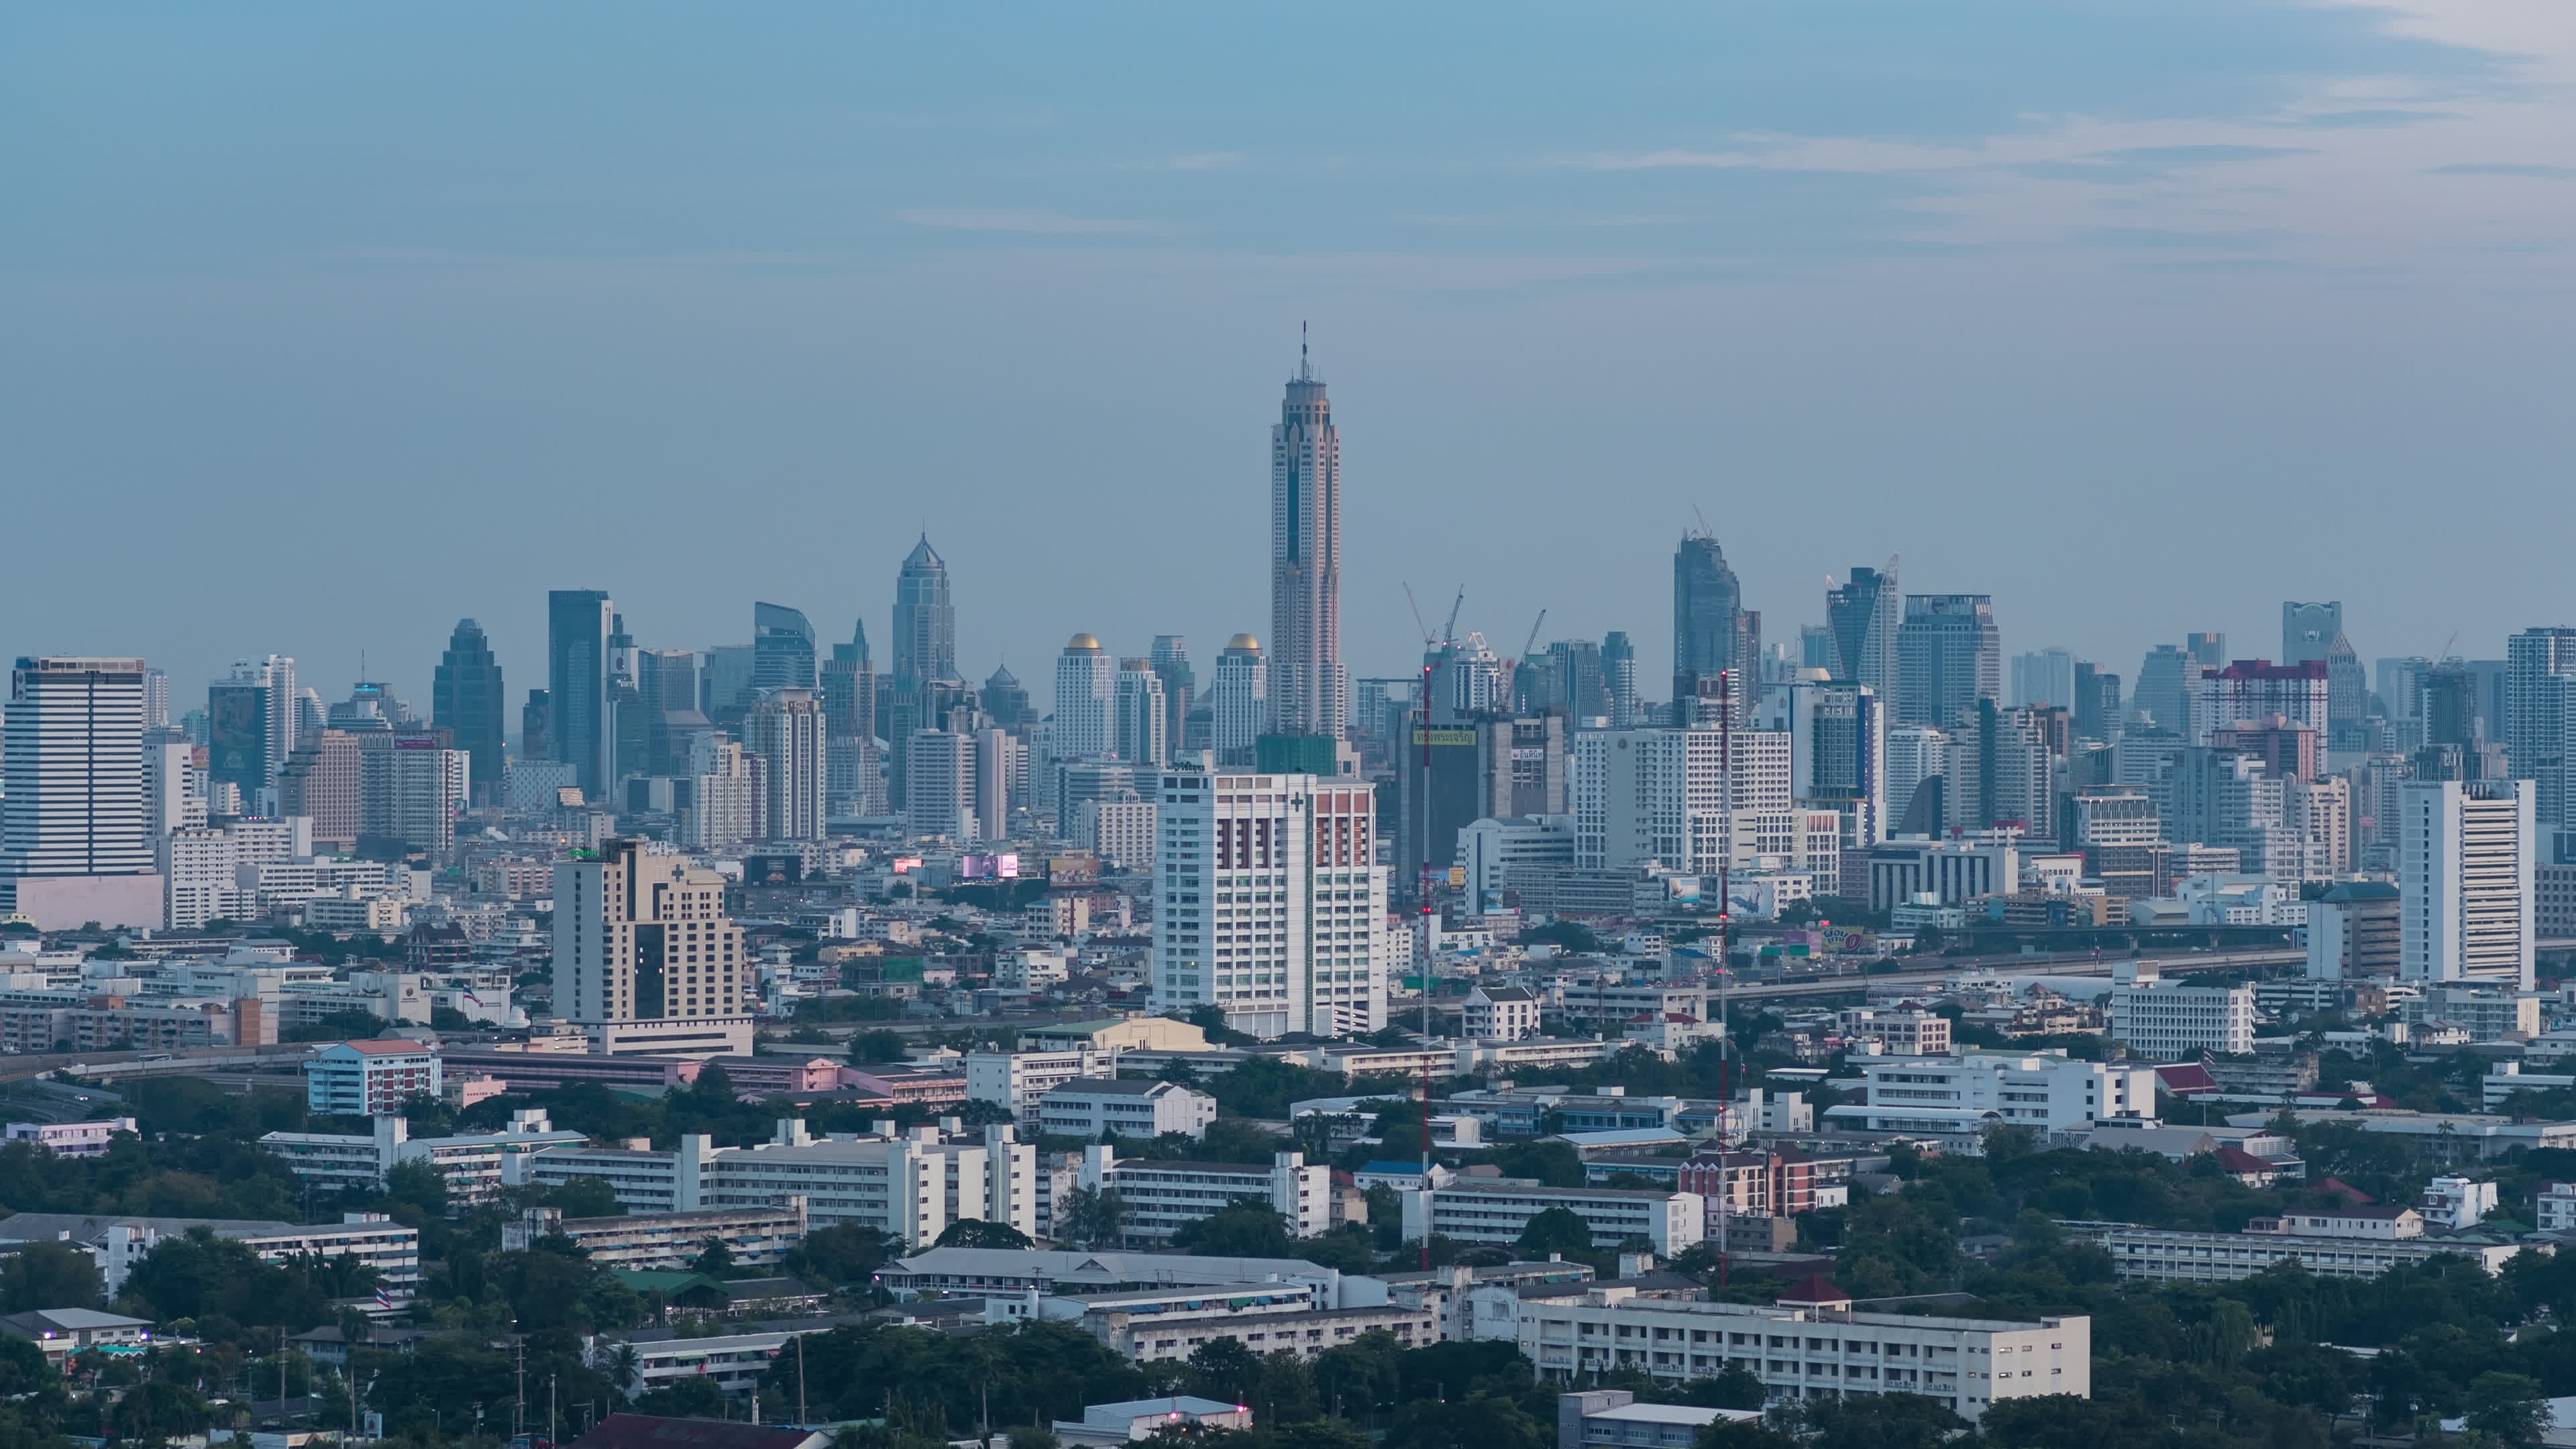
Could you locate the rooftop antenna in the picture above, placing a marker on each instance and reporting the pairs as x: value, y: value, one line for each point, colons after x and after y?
x: 1304, y: 372
x: 1704, y: 530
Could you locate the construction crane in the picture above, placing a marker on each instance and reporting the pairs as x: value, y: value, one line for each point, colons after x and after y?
x: 1449, y: 631
x: 1417, y: 616
x: 1533, y: 638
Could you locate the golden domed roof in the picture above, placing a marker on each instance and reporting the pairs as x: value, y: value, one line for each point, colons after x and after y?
x: 1083, y: 641
x: 1242, y: 641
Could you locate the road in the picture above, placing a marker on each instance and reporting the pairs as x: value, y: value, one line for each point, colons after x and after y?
x: 2065, y: 964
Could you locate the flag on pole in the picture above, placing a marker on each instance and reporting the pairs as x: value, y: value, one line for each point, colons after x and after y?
x: 384, y: 1298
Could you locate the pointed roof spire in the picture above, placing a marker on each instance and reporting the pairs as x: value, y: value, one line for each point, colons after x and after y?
x: 1305, y: 369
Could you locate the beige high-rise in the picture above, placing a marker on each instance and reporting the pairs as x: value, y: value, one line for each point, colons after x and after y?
x: 646, y: 960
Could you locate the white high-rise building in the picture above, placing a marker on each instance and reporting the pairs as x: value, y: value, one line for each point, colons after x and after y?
x: 174, y: 787
x: 2464, y: 881
x: 646, y: 960
x: 1140, y: 715
x: 724, y: 804
x: 1665, y: 795
x: 75, y: 833
x: 940, y: 768
x: 1915, y: 753
x: 999, y: 759
x: 1086, y: 692
x: 156, y: 699
x: 429, y: 786
x: 2044, y: 677
x: 1268, y: 904
x: 1309, y: 691
x: 785, y: 729
x: 1240, y: 700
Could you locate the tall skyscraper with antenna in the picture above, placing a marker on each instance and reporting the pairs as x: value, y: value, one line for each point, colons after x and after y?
x: 1309, y: 690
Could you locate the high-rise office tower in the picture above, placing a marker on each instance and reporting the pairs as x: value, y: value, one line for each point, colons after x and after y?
x: 646, y: 960
x: 1712, y: 630
x: 2464, y: 881
x: 2208, y: 650
x: 2347, y: 697
x: 2044, y: 677
x: 1139, y: 715
x: 415, y: 788
x: 536, y: 726
x: 2309, y: 630
x: 251, y: 721
x: 580, y: 726
x: 1309, y: 692
x: 2540, y: 714
x: 75, y: 838
x: 782, y: 648
x: 1619, y: 679
x: 2097, y: 702
x: 1837, y: 751
x: 925, y: 617
x: 1267, y: 905
x: 939, y: 799
x: 784, y: 728
x: 1240, y: 701
x: 663, y: 715
x: 924, y: 678
x: 2251, y: 691
x: 2163, y: 696
x: 1917, y: 755
x: 156, y: 699
x: 1949, y: 655
x: 1863, y: 617
x: 1086, y: 691
x: 1006, y: 703
x: 853, y: 779
x: 466, y: 699
x: 2002, y: 770
x: 1180, y: 684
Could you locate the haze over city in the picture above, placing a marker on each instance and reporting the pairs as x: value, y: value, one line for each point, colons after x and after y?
x: 334, y: 327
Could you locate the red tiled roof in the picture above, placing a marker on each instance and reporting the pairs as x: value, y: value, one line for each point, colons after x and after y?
x: 2343, y: 1189
x: 2237, y: 1159
x: 1817, y: 1289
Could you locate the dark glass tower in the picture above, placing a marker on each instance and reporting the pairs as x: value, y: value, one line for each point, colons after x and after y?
x: 1712, y: 630
x: 579, y: 727
x: 925, y: 659
x: 782, y: 648
x: 465, y: 699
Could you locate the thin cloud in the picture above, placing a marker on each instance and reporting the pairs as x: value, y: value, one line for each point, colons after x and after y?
x: 1036, y: 223
x: 2506, y: 168
x: 1206, y: 161
x: 1668, y: 160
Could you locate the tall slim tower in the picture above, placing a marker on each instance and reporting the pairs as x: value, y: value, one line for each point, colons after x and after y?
x: 1712, y: 630
x: 1309, y: 692
x: 579, y: 726
x: 925, y: 658
x: 1863, y: 617
x: 465, y: 697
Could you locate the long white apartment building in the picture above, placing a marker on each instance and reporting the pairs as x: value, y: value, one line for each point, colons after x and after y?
x: 118, y: 1243
x: 2366, y: 1250
x: 910, y: 1186
x: 1478, y: 1210
x: 755, y: 1236
x: 1017, y: 1080
x: 1676, y: 796
x: 1815, y: 1351
x: 1268, y: 903
x: 2168, y: 1021
x: 1958, y: 1097
x: 2464, y: 880
x: 1164, y: 1196
x: 476, y: 1164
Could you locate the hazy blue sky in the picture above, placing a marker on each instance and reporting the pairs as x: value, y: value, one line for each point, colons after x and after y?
x: 325, y: 325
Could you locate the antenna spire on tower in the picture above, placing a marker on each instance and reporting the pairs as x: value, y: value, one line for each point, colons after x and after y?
x: 1305, y: 371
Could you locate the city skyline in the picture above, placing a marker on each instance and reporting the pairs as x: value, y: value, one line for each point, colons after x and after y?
x: 2119, y: 270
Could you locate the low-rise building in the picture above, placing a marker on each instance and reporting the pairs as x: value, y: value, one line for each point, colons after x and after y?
x: 118, y: 1243
x: 475, y: 1164
x: 1089, y: 1106
x: 1500, y: 1013
x: 1957, y: 1098
x: 1816, y: 1349
x: 733, y: 1362
x: 72, y: 1139
x: 2167, y: 1255
x: 1104, y: 1426
x: 370, y: 1078
x: 2554, y: 1208
x: 1613, y: 1419
x: 1897, y: 1033
x: 61, y: 1332
x: 1164, y: 1196
x: 752, y: 1236
x: 1483, y: 1210
x: 1019, y: 1080
x: 1017, y: 1273
x: 2166, y: 1021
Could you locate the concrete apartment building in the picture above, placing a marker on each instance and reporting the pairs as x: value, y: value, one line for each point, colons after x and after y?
x: 754, y: 1236
x: 118, y: 1243
x: 1957, y: 1098
x: 1477, y: 1210
x: 1088, y: 1107
x: 1162, y: 1196
x: 1812, y: 1350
